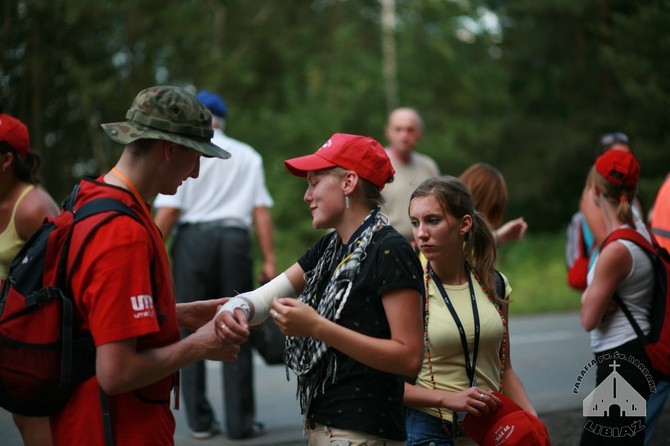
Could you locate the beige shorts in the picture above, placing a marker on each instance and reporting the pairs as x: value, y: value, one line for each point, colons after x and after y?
x: 320, y: 435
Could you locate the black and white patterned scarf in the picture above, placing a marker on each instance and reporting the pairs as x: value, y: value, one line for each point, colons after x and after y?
x: 308, y: 357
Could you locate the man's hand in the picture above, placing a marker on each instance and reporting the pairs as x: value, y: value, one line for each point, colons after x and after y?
x: 194, y: 315
x: 231, y: 327
x: 216, y: 349
x: 267, y: 273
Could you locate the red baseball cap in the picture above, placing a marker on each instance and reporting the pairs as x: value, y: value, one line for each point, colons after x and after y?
x: 14, y: 133
x: 362, y: 154
x: 619, y: 167
x: 509, y: 425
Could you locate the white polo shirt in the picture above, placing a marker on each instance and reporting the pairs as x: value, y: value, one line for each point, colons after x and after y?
x: 229, y: 188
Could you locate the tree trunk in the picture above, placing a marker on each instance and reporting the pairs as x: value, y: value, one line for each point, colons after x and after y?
x: 390, y: 65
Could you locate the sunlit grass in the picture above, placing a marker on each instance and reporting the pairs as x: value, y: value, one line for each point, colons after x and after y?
x: 536, y: 270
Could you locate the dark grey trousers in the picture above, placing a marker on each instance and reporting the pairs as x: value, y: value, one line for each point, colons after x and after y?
x: 211, y: 262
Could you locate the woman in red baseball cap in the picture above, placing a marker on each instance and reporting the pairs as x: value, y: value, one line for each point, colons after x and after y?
x: 624, y: 270
x: 23, y: 207
x: 355, y: 329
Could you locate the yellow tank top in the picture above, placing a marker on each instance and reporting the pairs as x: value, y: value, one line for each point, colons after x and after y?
x: 10, y: 242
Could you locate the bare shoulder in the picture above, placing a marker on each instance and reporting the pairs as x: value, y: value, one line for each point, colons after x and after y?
x: 614, y: 260
x: 33, y: 209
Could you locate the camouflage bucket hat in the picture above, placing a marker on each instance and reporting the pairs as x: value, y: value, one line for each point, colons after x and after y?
x: 168, y: 113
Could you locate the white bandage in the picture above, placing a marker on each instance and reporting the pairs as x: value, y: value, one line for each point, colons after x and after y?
x: 261, y: 299
x: 234, y: 303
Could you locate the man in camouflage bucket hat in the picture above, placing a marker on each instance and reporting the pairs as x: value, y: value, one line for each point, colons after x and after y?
x: 122, y: 288
x: 169, y: 113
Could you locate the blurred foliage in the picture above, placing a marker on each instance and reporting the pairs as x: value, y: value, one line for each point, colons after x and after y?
x: 535, y: 268
x: 528, y: 86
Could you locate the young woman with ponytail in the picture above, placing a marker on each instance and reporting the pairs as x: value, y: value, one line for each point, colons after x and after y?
x: 467, y: 354
x: 623, y: 269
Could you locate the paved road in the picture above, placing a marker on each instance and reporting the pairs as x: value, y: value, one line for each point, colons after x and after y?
x: 548, y: 352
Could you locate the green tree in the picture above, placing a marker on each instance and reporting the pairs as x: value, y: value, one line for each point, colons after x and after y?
x: 579, y: 69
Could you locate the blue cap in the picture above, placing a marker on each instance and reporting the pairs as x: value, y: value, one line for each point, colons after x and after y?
x: 214, y: 103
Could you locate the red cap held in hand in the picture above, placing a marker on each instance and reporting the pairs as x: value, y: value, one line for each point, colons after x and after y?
x: 508, y: 425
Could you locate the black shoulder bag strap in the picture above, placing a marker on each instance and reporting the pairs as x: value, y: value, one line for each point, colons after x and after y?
x: 500, y: 284
x: 89, y: 209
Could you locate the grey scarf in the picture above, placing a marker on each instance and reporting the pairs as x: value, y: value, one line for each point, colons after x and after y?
x: 308, y: 357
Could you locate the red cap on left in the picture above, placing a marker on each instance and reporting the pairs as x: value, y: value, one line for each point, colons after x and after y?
x: 14, y: 133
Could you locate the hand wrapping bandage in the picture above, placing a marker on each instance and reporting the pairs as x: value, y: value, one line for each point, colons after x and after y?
x: 260, y: 299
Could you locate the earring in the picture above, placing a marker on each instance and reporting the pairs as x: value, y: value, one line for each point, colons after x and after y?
x: 346, y: 202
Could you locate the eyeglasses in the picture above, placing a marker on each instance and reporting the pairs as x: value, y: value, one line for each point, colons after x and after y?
x: 610, y: 138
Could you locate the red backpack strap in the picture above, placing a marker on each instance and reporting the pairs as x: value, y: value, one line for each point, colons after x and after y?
x: 631, y: 235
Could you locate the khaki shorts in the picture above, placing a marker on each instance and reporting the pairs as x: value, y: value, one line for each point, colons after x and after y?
x: 320, y: 435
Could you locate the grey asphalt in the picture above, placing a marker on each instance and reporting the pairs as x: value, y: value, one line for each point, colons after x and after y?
x: 547, y: 351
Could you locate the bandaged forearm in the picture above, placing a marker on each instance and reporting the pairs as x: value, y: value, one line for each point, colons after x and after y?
x: 261, y: 299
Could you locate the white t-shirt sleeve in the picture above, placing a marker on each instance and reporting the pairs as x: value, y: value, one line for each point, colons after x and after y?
x: 169, y: 201
x: 262, y: 195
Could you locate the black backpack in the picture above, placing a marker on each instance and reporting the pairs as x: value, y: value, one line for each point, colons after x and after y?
x: 43, y: 356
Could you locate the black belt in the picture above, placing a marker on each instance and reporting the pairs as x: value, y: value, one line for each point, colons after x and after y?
x: 219, y: 223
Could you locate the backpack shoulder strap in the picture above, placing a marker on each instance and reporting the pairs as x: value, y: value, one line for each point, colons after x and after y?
x: 89, y: 209
x: 631, y: 235
x: 68, y: 202
x: 500, y: 285
x: 500, y: 289
x: 103, y: 205
x: 637, y: 238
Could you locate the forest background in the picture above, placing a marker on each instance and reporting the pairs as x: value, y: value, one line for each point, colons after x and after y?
x: 526, y: 85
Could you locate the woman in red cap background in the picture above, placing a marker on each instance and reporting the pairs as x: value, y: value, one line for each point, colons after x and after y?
x: 23, y: 207
x: 355, y: 330
x: 624, y: 269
